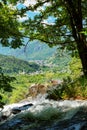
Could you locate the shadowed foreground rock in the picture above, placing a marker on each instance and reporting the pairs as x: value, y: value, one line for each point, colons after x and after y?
x: 74, y: 116
x: 77, y: 122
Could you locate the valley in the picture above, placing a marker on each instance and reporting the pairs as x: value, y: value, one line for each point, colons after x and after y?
x: 43, y: 65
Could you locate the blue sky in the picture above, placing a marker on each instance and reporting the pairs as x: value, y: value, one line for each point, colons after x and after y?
x: 32, y: 14
x: 28, y: 13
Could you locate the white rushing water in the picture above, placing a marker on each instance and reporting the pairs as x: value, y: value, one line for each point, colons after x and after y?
x: 70, y: 107
x: 41, y: 102
x: 45, y: 108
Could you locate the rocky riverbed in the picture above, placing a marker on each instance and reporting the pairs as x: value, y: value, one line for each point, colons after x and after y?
x: 43, y: 114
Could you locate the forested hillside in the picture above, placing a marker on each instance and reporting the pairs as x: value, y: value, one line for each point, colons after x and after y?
x: 60, y: 60
x: 11, y: 64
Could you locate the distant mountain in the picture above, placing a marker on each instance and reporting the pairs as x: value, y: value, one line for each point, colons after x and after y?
x: 10, y: 64
x: 34, y: 51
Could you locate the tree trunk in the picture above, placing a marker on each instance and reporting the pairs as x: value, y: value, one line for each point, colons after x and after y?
x: 82, y: 50
x: 75, y: 13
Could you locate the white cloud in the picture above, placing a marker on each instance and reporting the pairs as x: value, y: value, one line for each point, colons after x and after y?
x: 33, y: 2
x: 29, y: 2
x: 46, y: 22
x: 21, y: 19
x: 47, y: 4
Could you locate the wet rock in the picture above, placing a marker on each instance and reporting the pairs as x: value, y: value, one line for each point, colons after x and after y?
x: 10, y: 110
x: 3, y: 117
x: 11, y: 124
x: 26, y: 106
x: 74, y: 118
x: 15, y: 110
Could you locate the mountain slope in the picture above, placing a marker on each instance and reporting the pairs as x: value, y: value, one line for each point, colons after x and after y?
x: 60, y: 59
x: 10, y: 64
x: 34, y: 51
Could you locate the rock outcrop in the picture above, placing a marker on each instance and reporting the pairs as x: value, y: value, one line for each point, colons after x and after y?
x: 36, y: 89
x: 44, y: 114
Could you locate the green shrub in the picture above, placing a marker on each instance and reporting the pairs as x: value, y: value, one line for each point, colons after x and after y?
x: 70, y: 88
x: 18, y: 95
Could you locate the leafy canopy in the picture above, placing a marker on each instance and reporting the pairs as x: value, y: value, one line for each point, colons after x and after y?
x: 60, y: 22
x: 59, y: 31
x: 10, y: 35
x: 69, y: 23
x: 52, y: 23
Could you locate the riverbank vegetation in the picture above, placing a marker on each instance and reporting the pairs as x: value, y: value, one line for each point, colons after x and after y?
x: 70, y: 35
x: 74, y: 84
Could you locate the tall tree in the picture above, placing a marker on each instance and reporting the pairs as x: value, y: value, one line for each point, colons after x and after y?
x: 69, y: 23
x: 11, y: 36
x: 66, y: 27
